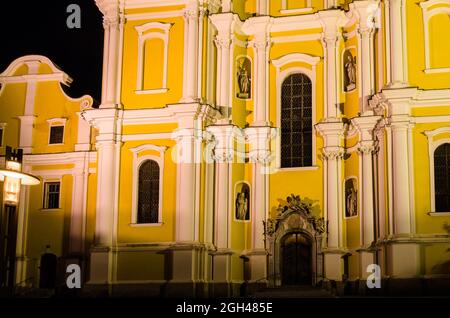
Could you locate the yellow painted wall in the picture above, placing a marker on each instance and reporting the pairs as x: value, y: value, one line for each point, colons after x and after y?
x: 12, y: 103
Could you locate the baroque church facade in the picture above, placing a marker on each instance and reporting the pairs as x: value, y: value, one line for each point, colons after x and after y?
x: 242, y: 143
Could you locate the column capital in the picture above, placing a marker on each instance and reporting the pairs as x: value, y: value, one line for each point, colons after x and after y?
x: 191, y: 14
x: 332, y: 21
x: 259, y: 139
x: 223, y: 42
x: 367, y: 147
x: 367, y: 13
x: 333, y: 153
x: 222, y: 138
x: 223, y: 22
x: 366, y: 126
x: 332, y: 132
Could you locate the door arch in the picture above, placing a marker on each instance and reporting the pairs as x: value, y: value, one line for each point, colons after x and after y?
x: 296, y: 255
x: 295, y: 216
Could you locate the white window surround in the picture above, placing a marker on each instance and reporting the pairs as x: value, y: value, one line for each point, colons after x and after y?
x: 2, y: 138
x: 56, y: 122
x: 432, y: 146
x: 161, y: 32
x: 280, y: 77
x: 427, y: 14
x: 137, y: 162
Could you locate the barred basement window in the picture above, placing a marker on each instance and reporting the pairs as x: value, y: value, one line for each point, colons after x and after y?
x: 296, y: 121
x: 56, y: 135
x: 148, y: 196
x: 442, y: 178
x: 51, y: 195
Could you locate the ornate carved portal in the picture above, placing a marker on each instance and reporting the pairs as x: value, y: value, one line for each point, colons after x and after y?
x: 294, y: 241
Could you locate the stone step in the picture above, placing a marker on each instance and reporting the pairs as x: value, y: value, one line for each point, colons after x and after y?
x: 291, y: 292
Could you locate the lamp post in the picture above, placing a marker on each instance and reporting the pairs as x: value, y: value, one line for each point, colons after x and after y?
x: 12, y: 178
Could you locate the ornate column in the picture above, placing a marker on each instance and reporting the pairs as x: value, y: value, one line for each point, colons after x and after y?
x: 402, y: 215
x: 113, y: 24
x: 332, y: 22
x: 78, y: 213
x: 366, y: 148
x: 223, y: 155
x: 366, y: 27
x: 398, y: 54
x: 333, y: 152
x: 261, y: 45
x: 185, y: 253
x: 108, y: 160
x: 191, y: 43
x: 259, y: 154
x: 224, y: 44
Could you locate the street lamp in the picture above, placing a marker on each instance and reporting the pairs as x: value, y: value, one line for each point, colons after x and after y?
x: 12, y: 177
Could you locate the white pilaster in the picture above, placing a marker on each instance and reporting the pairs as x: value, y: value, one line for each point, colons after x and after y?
x: 399, y: 103
x: 108, y: 152
x: 261, y: 46
x: 113, y: 24
x: 366, y: 11
x: 259, y: 154
x: 26, y: 133
x: 78, y: 212
x: 191, y: 47
x: 366, y: 148
x: 83, y: 135
x: 224, y: 23
x: 398, y: 54
x: 333, y: 153
x: 332, y: 22
x: 262, y: 7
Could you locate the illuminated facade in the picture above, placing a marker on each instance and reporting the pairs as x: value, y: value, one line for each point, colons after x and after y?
x: 237, y: 138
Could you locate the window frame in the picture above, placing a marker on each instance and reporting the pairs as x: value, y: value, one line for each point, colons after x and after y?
x: 432, y: 146
x: 137, y: 162
x: 45, y: 192
x: 292, y: 144
x: 434, y: 167
x: 56, y: 122
x: 293, y: 60
x: 138, y: 192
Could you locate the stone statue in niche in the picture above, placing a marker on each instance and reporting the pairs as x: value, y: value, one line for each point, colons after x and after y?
x: 351, y: 197
x: 244, y: 81
x: 350, y: 71
x: 243, y: 202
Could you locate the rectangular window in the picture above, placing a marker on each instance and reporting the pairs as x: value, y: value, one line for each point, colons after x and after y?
x: 1, y: 137
x: 51, y: 195
x: 56, y: 135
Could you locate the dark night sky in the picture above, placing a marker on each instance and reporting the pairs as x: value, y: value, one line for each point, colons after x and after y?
x: 39, y: 27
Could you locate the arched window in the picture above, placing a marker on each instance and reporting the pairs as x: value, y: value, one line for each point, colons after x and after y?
x: 442, y: 178
x: 148, y: 197
x: 296, y: 121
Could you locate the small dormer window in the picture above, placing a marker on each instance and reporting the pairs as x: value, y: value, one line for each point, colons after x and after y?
x: 56, y: 131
